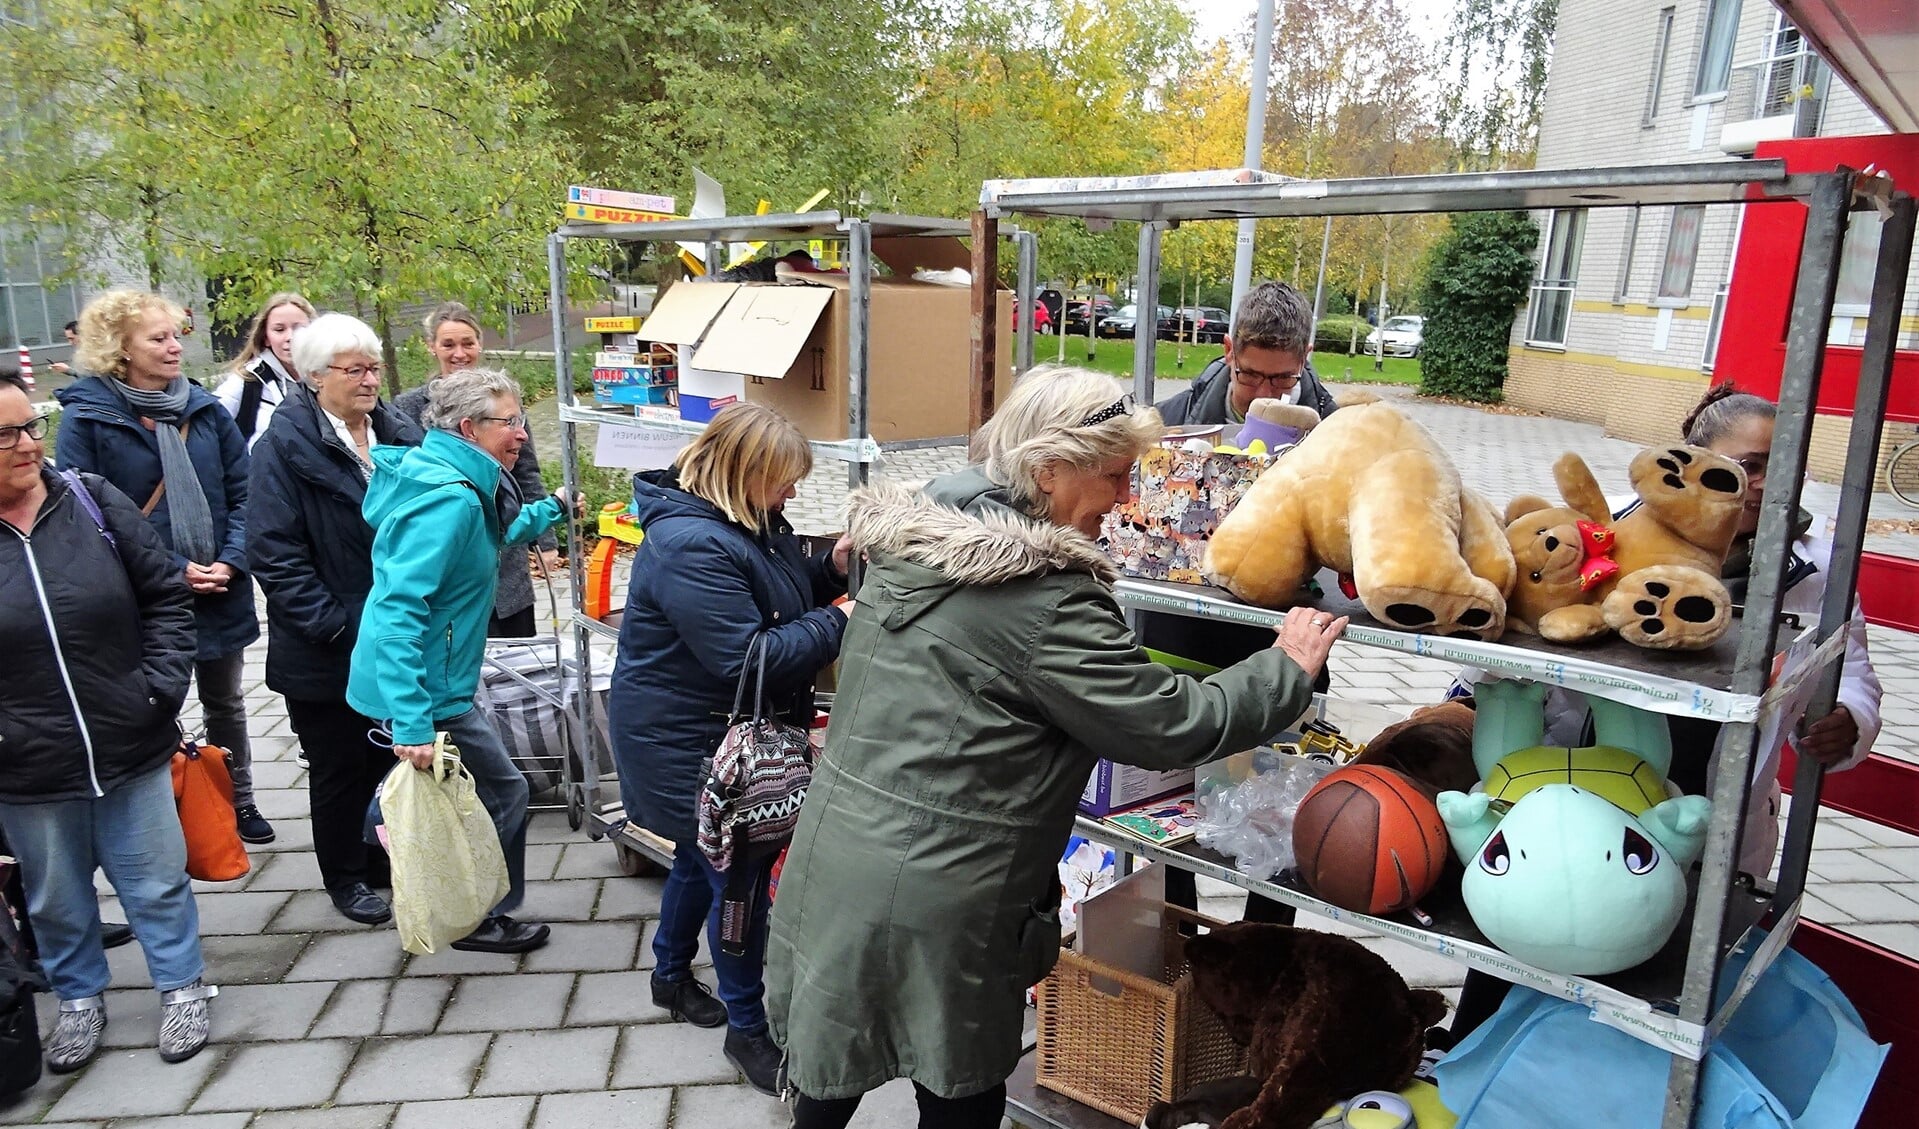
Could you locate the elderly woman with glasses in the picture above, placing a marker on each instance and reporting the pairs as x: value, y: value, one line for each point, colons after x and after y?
x: 313, y: 555
x: 139, y: 423
x: 441, y: 512
x: 98, y: 624
x: 984, y: 673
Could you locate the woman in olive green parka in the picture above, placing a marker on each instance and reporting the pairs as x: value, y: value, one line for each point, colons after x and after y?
x: 985, y: 671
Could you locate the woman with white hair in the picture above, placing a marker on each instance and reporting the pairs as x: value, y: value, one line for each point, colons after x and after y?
x: 441, y: 512
x: 313, y: 554
x: 986, y: 671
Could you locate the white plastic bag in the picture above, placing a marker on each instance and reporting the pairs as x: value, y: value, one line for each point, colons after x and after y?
x: 448, y: 869
x: 1253, y: 820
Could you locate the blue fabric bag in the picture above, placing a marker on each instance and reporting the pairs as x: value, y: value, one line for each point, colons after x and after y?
x: 1794, y: 1056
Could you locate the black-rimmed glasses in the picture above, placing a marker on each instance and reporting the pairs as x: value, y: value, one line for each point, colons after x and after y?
x: 35, y: 429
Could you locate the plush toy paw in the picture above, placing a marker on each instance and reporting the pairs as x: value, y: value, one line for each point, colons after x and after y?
x: 1454, y: 615
x: 1574, y: 624
x: 1670, y: 607
x: 1689, y: 488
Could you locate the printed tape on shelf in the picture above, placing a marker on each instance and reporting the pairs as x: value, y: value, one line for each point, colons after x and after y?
x: 1638, y: 688
x: 1616, y: 1009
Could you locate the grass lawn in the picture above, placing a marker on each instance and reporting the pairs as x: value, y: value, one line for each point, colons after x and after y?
x: 1116, y: 356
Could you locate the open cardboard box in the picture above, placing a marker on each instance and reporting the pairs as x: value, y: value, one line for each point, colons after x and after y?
x: 789, y: 345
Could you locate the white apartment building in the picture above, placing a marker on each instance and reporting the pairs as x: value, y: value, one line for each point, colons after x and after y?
x: 1621, y: 328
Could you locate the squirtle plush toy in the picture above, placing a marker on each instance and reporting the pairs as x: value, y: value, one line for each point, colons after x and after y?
x: 1575, y: 858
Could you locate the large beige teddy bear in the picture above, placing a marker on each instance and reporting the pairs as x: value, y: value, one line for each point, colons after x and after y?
x: 1371, y: 495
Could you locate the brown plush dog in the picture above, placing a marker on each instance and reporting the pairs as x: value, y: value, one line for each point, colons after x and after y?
x: 1322, y: 1016
x: 1373, y: 496
x: 1652, y: 576
x: 1434, y: 747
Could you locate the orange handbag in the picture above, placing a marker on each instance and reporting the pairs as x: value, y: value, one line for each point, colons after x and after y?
x: 204, y: 792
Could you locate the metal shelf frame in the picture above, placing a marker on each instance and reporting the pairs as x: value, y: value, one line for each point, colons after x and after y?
x: 1830, y: 199
x: 859, y: 450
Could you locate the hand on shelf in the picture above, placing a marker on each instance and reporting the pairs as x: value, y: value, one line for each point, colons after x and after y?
x: 1307, y: 635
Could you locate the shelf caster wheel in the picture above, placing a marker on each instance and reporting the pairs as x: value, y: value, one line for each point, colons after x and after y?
x: 633, y: 864
x: 575, y: 809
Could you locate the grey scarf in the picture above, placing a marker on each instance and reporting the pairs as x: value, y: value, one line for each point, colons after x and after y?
x: 186, y: 499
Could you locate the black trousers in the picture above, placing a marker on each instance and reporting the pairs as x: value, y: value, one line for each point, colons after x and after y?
x: 975, y: 1111
x: 519, y: 625
x: 344, y: 769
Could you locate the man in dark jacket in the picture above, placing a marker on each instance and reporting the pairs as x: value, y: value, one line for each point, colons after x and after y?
x: 312, y: 551
x: 1268, y: 354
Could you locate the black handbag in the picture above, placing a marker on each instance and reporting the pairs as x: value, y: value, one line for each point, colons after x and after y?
x: 19, y: 1024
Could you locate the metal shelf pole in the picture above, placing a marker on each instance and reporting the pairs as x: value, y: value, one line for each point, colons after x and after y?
x: 1027, y: 243
x: 1738, y: 744
x: 1146, y: 313
x: 1849, y: 532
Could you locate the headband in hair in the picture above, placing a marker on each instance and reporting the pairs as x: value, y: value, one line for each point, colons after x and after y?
x: 1119, y: 407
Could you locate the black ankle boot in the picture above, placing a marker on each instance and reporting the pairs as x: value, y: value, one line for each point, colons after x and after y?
x: 689, y: 1001
x: 757, y: 1057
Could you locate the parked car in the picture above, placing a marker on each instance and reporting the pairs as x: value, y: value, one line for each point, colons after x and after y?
x: 1126, y: 319
x: 1198, y: 323
x: 1402, y: 336
x: 1077, y: 313
x: 1042, y: 317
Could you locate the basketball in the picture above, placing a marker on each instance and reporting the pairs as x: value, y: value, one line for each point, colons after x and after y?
x: 1369, y: 839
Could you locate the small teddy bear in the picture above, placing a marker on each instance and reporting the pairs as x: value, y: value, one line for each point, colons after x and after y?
x: 1652, y: 575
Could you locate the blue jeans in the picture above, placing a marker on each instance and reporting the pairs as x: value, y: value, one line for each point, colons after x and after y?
x: 502, y: 789
x: 692, y: 899
x: 133, y: 833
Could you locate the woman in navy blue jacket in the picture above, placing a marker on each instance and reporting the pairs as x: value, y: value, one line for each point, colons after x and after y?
x: 166, y: 443
x: 719, y: 568
x: 312, y: 551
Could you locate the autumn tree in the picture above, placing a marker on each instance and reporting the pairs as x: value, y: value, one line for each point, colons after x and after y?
x: 1498, y: 52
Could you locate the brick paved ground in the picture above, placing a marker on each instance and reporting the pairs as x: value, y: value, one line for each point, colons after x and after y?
x: 322, y: 1024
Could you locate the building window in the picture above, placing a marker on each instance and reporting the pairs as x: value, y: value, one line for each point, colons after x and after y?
x: 1858, y: 262
x: 1552, y: 295
x: 30, y: 313
x: 1624, y: 282
x: 1713, y: 327
x: 1715, y: 49
x: 1661, y: 45
x: 1682, y: 252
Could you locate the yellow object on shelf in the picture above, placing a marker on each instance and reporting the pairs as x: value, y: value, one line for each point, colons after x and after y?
x: 613, y: 325
x: 616, y: 523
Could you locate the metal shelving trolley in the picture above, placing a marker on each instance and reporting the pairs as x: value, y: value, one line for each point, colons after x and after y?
x: 588, y: 802
x: 1669, y: 1001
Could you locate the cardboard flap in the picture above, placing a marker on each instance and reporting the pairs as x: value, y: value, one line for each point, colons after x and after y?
x: 685, y: 311
x: 904, y: 254
x: 762, y: 329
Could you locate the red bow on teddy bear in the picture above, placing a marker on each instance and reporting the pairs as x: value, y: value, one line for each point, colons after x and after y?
x: 1597, y: 565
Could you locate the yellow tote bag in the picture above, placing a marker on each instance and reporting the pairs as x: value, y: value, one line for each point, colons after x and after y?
x: 448, y: 869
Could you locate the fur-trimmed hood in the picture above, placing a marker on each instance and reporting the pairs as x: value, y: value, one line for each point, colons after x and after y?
x: 968, y: 532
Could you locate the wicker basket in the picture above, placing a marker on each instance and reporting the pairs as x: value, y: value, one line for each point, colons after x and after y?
x: 1120, y: 1042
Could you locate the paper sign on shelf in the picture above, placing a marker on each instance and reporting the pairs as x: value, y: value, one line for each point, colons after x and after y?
x: 616, y: 359
x: 637, y: 448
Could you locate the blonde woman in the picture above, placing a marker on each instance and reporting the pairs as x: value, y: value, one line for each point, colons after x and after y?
x: 262, y: 374
x: 719, y: 569
x: 986, y: 671
x: 454, y: 338
x: 137, y: 422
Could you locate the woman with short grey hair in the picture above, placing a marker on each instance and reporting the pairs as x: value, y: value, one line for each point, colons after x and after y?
x: 313, y: 554
x: 454, y: 340
x: 441, y: 514
x: 986, y: 670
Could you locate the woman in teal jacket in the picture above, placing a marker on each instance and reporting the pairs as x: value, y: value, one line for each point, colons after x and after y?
x: 441, y: 513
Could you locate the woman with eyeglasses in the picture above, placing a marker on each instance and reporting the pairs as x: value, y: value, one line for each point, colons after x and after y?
x: 312, y: 552
x: 1739, y: 426
x: 139, y: 423
x: 98, y: 623
x: 441, y: 513
x: 986, y: 671
x: 262, y: 374
x: 454, y: 338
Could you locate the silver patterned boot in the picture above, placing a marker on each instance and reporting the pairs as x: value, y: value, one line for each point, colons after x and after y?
x: 185, y: 1021
x: 76, y: 1034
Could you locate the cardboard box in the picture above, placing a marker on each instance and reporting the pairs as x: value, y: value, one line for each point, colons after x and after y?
x: 1114, y: 786
x: 789, y: 343
x: 614, y: 198
x: 702, y: 409
x: 613, y: 325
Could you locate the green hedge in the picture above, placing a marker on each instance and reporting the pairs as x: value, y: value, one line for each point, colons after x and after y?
x: 1476, y: 279
x: 1335, y: 334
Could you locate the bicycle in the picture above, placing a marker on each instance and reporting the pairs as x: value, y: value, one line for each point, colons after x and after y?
x: 1902, y: 472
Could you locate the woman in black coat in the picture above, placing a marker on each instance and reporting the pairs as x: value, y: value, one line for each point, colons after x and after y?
x: 313, y: 553
x: 98, y: 624
x: 719, y: 569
